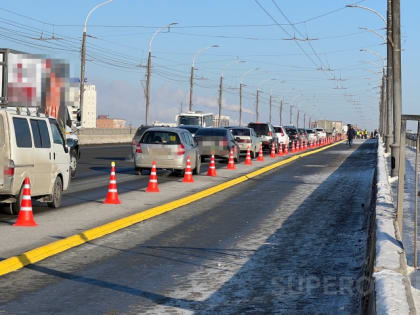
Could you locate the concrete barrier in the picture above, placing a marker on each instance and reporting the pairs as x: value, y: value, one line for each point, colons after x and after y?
x: 105, y: 135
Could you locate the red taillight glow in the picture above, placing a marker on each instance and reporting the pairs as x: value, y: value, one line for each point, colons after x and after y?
x: 223, y: 143
x: 181, y: 149
x: 245, y: 140
x: 138, y: 148
x: 270, y: 133
x: 10, y: 169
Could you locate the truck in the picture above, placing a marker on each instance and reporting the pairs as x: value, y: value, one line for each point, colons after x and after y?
x: 35, y: 82
x: 330, y: 126
x: 197, y: 118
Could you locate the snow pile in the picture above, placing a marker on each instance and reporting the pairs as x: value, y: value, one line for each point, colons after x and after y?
x: 392, y: 292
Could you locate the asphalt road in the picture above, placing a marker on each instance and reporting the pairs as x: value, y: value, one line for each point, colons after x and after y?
x: 92, y: 177
x: 292, y: 241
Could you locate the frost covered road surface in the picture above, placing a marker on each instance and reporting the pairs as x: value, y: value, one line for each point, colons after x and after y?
x: 292, y: 241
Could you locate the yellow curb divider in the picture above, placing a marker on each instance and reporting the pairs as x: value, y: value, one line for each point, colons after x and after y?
x: 35, y: 255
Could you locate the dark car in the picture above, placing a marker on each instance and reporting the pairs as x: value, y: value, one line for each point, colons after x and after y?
x: 136, y: 139
x: 217, y: 141
x: 303, y: 135
x: 191, y: 128
x: 293, y: 133
x: 267, y: 134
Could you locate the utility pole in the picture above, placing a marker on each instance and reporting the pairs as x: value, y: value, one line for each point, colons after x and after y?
x: 83, y: 59
x: 240, y: 104
x: 82, y: 76
x: 270, y: 106
x: 191, y: 87
x: 148, y: 87
x: 291, y: 113
x: 310, y: 122
x: 281, y: 112
x: 220, y: 99
x: 397, y: 95
x: 297, y: 119
x: 388, y: 136
x: 256, y: 106
x: 304, y: 120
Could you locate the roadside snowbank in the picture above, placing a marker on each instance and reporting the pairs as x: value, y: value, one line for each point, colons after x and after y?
x: 392, y: 286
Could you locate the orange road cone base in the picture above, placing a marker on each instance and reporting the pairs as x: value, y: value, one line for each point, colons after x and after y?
x: 112, y: 199
x: 152, y: 188
x: 25, y: 218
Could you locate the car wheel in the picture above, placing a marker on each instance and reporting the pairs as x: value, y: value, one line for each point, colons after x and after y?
x: 73, y: 163
x: 137, y: 170
x: 178, y: 172
x: 57, y: 194
x: 197, y: 169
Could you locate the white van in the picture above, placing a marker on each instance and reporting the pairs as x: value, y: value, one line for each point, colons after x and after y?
x: 31, y: 145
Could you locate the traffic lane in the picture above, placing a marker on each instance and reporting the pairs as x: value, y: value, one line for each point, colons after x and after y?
x: 233, y: 252
x: 91, y: 183
x: 70, y: 220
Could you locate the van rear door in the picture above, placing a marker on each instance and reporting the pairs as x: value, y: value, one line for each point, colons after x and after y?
x: 3, y: 152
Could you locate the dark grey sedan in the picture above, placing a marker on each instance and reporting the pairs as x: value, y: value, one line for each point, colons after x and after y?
x: 217, y: 141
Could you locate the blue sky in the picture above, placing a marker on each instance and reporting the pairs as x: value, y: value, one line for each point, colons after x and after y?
x: 303, y: 71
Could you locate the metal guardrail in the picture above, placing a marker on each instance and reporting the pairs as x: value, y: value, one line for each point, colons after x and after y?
x: 412, y: 140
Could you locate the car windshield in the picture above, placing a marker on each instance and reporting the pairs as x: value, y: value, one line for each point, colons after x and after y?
x: 240, y: 132
x: 211, y: 132
x: 260, y: 129
x: 189, y: 120
x: 191, y: 129
x: 291, y: 131
x: 278, y: 129
x: 322, y: 130
x: 309, y: 131
x: 160, y: 137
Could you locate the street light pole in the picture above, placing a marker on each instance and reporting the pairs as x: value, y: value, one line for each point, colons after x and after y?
x: 258, y: 90
x: 297, y: 118
x: 240, y: 93
x: 270, y: 105
x: 281, y: 112
x: 256, y: 106
x: 83, y: 59
x: 397, y: 97
x: 192, y: 72
x: 149, y: 64
x: 291, y: 113
x: 388, y: 136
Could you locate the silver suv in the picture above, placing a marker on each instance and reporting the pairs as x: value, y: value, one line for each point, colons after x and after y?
x: 31, y: 146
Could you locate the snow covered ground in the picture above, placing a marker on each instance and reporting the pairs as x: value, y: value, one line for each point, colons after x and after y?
x: 408, y: 222
x: 394, y: 294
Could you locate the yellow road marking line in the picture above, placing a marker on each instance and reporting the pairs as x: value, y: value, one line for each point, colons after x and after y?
x: 35, y: 255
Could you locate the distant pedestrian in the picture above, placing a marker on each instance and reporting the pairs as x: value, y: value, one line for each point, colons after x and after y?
x: 375, y: 134
x: 351, y: 133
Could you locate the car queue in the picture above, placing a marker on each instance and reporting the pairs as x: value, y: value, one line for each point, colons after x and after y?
x: 170, y: 147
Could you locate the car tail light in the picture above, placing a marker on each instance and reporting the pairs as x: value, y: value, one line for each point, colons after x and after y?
x: 181, y: 149
x: 223, y: 143
x: 9, y: 170
x: 282, y: 133
x: 270, y: 133
x: 138, y: 148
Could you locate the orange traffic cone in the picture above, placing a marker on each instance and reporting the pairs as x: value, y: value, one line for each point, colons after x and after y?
x: 26, y: 217
x: 280, y: 153
x: 286, y: 149
x: 293, y: 146
x: 212, y: 167
x: 153, y: 183
x: 231, y: 163
x: 260, y: 155
x: 273, y: 151
x: 188, y: 172
x: 248, y: 160
x: 112, y: 195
